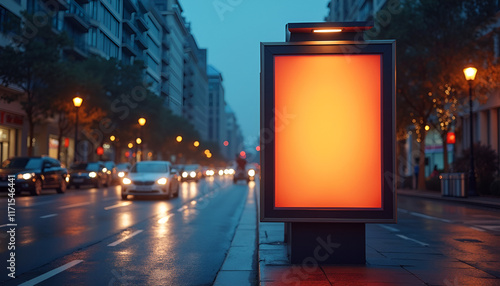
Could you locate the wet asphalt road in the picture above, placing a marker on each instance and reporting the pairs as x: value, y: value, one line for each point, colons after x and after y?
x: 92, y: 237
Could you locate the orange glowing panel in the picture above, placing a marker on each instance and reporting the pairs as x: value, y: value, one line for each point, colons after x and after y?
x: 328, y: 151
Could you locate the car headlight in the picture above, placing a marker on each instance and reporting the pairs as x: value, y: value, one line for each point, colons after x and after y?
x: 126, y: 181
x: 25, y: 176
x: 184, y: 174
x: 92, y: 174
x: 251, y: 172
x: 67, y: 179
x: 192, y: 174
x: 221, y: 172
x: 104, y: 170
x: 231, y: 171
x: 121, y: 174
x: 162, y: 181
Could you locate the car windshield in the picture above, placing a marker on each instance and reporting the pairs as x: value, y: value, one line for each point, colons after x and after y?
x: 22, y: 163
x: 150, y: 168
x: 109, y: 165
x: 86, y: 166
x: 191, y: 168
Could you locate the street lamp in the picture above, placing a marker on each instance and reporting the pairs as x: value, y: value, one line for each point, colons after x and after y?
x: 179, y: 139
x: 196, y: 143
x: 77, y: 102
x: 141, y: 121
x: 470, y: 75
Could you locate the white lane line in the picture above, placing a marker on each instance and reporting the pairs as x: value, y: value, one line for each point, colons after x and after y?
x: 49, y: 215
x: 164, y: 219
x: 125, y: 238
x: 411, y: 239
x: 76, y: 205
x: 51, y: 273
x: 393, y: 229
x: 122, y: 204
x: 9, y: 224
x: 403, y: 211
x: 28, y: 204
x: 476, y: 228
x: 430, y: 217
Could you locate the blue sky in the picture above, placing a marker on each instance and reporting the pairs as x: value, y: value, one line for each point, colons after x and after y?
x: 232, y: 30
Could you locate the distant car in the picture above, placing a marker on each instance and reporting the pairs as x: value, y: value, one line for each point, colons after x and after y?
x: 111, y: 170
x: 151, y: 178
x: 122, y: 170
x: 91, y: 173
x: 191, y: 173
x: 33, y: 174
x: 247, y: 174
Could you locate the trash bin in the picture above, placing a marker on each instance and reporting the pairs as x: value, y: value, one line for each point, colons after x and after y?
x: 445, y: 185
x: 453, y: 185
x: 459, y: 185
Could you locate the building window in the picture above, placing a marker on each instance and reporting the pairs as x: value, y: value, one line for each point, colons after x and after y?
x: 9, y: 22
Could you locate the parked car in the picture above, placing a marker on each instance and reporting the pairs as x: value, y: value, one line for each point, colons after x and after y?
x: 91, y: 173
x: 111, y: 170
x: 191, y: 173
x: 33, y: 174
x: 151, y: 178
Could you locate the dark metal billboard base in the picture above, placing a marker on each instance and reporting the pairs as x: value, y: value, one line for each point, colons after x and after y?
x: 326, y: 243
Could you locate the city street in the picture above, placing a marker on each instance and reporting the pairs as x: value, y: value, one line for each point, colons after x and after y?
x: 95, y: 238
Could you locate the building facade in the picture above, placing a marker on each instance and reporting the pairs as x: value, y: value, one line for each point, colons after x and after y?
x: 234, y: 135
x: 153, y: 31
x: 216, y: 108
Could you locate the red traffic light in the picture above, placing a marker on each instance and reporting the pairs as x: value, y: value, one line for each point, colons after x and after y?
x: 451, y: 138
x: 100, y: 151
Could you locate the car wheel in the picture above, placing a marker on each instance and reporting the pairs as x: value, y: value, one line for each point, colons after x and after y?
x: 62, y: 188
x: 124, y: 197
x: 37, y: 190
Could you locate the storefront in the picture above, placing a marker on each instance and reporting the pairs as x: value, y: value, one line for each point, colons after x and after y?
x: 11, y: 126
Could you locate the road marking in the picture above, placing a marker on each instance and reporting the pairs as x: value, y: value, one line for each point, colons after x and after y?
x: 476, y: 228
x: 164, y: 219
x: 122, y: 204
x: 51, y: 273
x: 403, y: 211
x: 411, y: 239
x: 9, y: 224
x: 76, y: 205
x: 28, y: 204
x: 47, y: 216
x: 125, y: 238
x: 393, y: 229
x: 430, y: 217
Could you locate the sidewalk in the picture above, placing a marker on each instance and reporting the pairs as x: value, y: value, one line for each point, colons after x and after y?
x: 390, y: 260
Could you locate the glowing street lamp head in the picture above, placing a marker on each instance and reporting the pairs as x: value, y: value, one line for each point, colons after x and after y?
x: 196, y: 143
x: 470, y: 73
x: 142, y: 121
x: 179, y: 139
x: 130, y: 145
x: 112, y: 138
x: 138, y: 141
x: 427, y: 127
x: 335, y: 30
x: 77, y: 101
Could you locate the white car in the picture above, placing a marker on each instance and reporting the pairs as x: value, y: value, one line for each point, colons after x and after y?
x: 151, y: 178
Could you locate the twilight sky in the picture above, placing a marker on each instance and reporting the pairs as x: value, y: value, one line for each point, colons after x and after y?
x: 232, y: 30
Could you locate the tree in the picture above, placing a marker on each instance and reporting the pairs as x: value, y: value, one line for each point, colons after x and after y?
x: 29, y: 64
x: 435, y: 39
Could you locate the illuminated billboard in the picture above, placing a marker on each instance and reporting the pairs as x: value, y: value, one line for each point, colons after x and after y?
x: 327, y: 119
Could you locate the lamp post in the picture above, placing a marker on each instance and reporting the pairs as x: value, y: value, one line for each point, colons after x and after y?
x: 77, y: 102
x: 470, y: 75
x: 141, y: 121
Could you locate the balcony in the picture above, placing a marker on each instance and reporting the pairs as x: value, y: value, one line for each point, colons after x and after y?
x: 165, y: 43
x: 165, y: 89
x: 77, y: 51
x: 62, y: 5
x: 141, y: 42
x: 77, y: 16
x: 129, y: 26
x: 128, y: 45
x: 141, y: 24
x: 130, y: 5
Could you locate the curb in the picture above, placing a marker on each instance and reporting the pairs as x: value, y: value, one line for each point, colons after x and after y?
x: 495, y: 205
